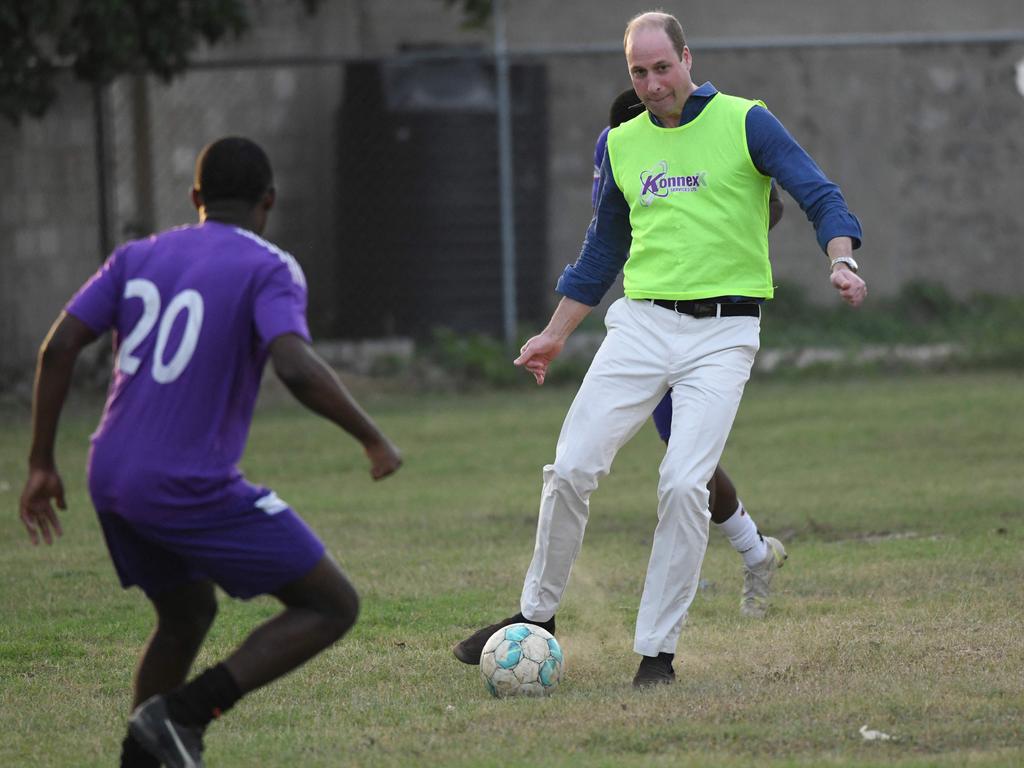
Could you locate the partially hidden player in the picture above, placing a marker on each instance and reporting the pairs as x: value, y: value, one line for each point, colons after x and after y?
x: 762, y: 555
x: 195, y: 312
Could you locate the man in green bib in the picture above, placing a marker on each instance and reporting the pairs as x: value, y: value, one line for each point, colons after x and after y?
x: 683, y: 212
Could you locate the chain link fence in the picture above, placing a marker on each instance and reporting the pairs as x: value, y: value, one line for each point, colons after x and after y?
x: 387, y: 171
x: 387, y: 177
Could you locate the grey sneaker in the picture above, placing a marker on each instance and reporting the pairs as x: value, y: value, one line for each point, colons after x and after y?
x: 757, y: 580
x: 174, y: 744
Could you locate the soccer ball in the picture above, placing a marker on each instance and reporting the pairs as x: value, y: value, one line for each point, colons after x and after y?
x: 522, y: 660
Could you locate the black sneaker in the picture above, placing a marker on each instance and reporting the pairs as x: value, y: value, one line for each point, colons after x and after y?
x: 470, y: 649
x: 176, y: 745
x: 655, y: 670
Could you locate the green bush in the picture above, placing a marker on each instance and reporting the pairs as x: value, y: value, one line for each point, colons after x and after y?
x: 922, y: 313
x: 987, y: 331
x: 462, y: 361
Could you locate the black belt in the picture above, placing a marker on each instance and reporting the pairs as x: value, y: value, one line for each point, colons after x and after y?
x: 710, y: 308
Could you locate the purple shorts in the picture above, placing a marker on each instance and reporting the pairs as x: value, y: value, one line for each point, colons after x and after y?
x: 252, y: 549
x: 662, y: 416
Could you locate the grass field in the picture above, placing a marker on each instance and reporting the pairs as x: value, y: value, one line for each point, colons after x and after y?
x: 900, y: 499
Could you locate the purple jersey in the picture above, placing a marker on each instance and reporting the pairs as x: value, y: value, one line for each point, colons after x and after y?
x: 193, y: 311
x: 599, y: 150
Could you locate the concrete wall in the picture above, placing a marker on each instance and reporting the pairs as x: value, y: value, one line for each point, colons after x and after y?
x: 925, y: 140
x: 48, y: 223
x: 535, y: 22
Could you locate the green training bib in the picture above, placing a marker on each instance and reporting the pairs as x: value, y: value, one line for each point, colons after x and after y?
x: 698, y: 206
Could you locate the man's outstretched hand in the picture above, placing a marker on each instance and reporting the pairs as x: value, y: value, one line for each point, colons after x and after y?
x: 384, y: 458
x: 536, y: 355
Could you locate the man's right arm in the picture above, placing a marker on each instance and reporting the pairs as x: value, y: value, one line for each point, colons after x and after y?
x: 584, y: 283
x: 537, y: 353
x: 317, y: 386
x: 605, y: 246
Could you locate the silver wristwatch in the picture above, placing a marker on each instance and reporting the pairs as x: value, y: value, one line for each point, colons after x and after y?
x: 847, y: 260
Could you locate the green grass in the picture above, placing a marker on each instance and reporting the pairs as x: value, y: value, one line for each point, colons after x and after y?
x: 900, y: 499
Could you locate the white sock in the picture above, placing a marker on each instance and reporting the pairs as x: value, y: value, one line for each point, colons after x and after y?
x: 742, y: 533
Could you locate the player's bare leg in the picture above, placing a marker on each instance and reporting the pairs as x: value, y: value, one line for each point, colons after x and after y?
x: 184, y: 616
x: 723, y: 501
x: 762, y: 555
x: 319, y: 608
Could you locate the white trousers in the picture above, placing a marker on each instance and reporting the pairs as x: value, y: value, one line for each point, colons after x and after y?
x: 648, y: 349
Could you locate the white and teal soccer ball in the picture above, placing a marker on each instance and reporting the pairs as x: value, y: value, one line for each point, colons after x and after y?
x: 522, y: 660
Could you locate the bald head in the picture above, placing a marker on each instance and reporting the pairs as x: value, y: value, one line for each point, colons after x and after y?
x: 666, y: 22
x: 659, y: 65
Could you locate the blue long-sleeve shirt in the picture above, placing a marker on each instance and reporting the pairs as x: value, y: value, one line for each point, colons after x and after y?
x: 775, y: 153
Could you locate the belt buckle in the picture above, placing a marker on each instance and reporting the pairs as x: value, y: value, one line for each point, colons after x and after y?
x: 704, y: 309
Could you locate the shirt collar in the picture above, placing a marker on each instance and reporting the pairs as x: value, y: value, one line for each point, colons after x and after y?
x: 693, y: 105
x: 706, y: 91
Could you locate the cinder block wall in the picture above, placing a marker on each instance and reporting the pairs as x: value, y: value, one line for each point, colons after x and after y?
x: 925, y: 140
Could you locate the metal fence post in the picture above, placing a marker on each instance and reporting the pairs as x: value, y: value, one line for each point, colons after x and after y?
x: 102, y: 158
x: 506, y: 187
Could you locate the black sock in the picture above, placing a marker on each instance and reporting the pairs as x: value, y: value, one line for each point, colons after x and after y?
x: 207, y: 696
x: 549, y: 625
x: 663, y: 657
x: 134, y: 756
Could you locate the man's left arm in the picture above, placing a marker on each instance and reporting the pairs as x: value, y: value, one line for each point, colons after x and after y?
x: 850, y: 285
x: 57, y: 357
x: 777, y: 154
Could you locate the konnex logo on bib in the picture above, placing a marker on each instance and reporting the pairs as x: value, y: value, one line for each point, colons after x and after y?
x: 656, y: 182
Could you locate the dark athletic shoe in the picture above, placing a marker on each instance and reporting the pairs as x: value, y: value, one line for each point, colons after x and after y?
x: 655, y: 670
x: 470, y: 649
x: 176, y: 745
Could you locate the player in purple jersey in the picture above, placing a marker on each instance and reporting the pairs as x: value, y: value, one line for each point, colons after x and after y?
x: 195, y: 314
x: 762, y: 556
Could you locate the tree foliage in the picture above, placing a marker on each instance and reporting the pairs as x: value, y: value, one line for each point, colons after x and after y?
x: 475, y: 13
x: 101, y: 39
